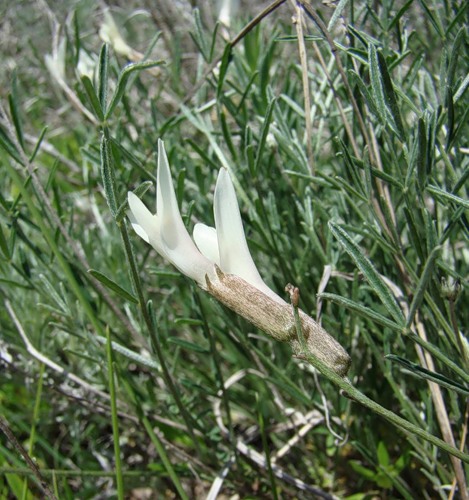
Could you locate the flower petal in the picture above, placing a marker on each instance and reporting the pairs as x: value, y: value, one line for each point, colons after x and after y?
x: 178, y: 245
x: 144, y: 223
x: 205, y: 238
x: 235, y: 257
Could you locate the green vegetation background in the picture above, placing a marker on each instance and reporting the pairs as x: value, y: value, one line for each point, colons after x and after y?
x: 112, y: 364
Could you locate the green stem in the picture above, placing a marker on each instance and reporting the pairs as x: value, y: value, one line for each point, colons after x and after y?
x: 164, y: 458
x: 218, y: 370
x: 115, y: 419
x: 32, y: 435
x: 356, y: 395
x: 190, y: 422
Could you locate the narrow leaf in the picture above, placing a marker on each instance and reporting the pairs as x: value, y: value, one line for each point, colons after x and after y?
x: 438, y: 354
x: 9, y: 147
x: 224, y: 63
x: 15, y: 110
x: 376, y: 87
x: 112, y: 285
x: 199, y: 37
x: 214, y: 41
x: 390, y: 96
x: 187, y: 345
x: 369, y: 272
x: 444, y: 195
x: 337, y: 13
x: 4, y: 245
x: 124, y: 78
x: 422, y: 285
x: 102, y: 76
x: 142, y: 360
x: 264, y: 133
x: 362, y: 310
x: 358, y: 81
x: 92, y: 97
x: 399, y: 14
x: 429, y: 375
x: 37, y: 147
x: 54, y: 295
x: 450, y: 108
x: 107, y: 172
x: 422, y: 167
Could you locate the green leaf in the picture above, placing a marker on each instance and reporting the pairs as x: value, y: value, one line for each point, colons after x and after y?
x: 107, y: 172
x: 362, y: 310
x: 188, y: 321
x: 214, y: 41
x: 432, y: 14
x: 421, y: 160
x: 103, y: 76
x: 453, y: 58
x: 460, y: 128
x: 383, y: 92
x: 180, y: 187
x: 15, y: 110
x: 383, y: 455
x: 37, y: 147
x: 92, y: 97
x: 399, y: 14
x: 60, y: 302
x: 76, y: 37
x: 438, y: 354
x: 422, y: 285
x: 124, y: 78
x: 224, y: 63
x: 444, y: 195
x: 264, y: 133
x: 4, y: 245
x: 142, y: 360
x: 14, y: 283
x: 376, y: 87
x: 112, y: 285
x: 118, y: 148
x: 354, y: 173
x: 369, y: 272
x: 364, y: 90
x: 188, y: 345
x: 450, y: 109
x: 9, y: 147
x: 337, y: 13
x: 429, y: 375
x: 363, y: 471
x: 227, y: 132
x: 390, y: 96
x: 199, y: 36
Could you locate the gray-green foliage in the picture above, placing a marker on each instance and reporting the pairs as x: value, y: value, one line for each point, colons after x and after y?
x: 375, y: 220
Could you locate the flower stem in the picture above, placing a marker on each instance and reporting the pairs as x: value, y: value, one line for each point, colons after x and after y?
x: 355, y: 394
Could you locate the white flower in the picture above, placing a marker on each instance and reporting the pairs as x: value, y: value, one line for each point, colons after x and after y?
x: 55, y: 62
x: 220, y: 262
x: 86, y: 65
x: 228, y: 8
x: 109, y: 33
x: 224, y: 246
